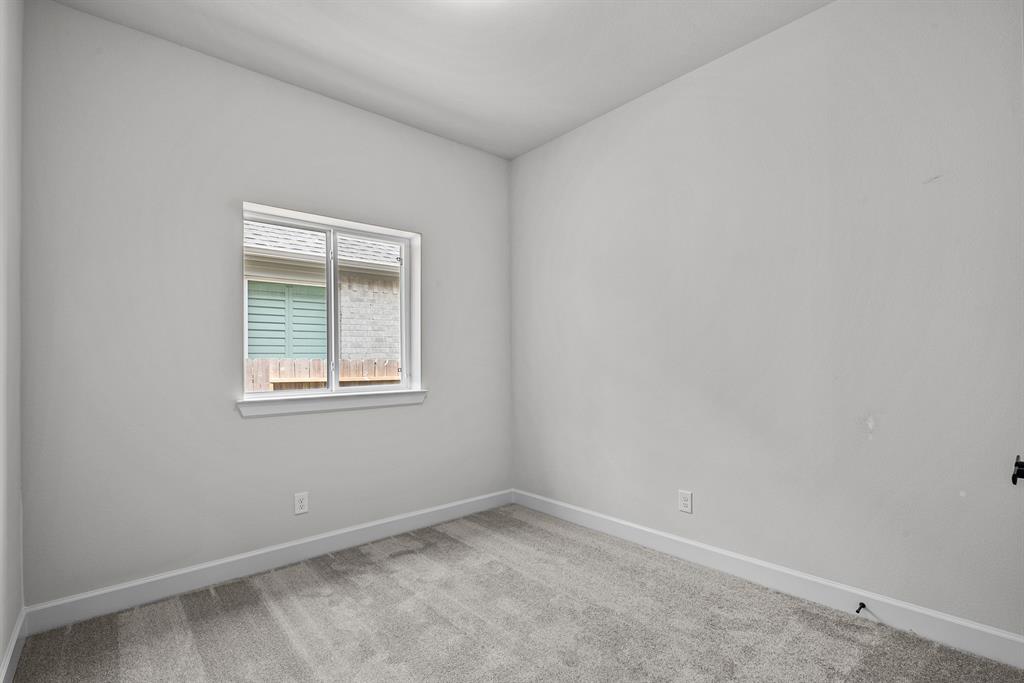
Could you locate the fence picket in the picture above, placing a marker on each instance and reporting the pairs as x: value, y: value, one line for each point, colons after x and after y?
x: 272, y: 374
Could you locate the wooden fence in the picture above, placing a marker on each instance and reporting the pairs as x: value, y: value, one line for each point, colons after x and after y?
x: 275, y: 374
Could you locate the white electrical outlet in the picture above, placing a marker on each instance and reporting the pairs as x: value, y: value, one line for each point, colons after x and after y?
x: 686, y: 501
x: 302, y: 503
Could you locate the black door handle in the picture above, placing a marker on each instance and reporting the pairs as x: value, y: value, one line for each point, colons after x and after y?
x: 1018, y: 471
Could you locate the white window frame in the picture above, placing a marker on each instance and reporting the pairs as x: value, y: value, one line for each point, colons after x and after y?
x: 410, y: 389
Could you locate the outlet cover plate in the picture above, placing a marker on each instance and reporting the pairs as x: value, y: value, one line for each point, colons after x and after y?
x: 686, y: 501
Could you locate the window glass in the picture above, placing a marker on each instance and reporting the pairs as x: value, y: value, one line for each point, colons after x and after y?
x: 286, y: 308
x: 369, y: 305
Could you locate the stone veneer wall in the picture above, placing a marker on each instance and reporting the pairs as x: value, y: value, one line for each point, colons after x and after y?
x: 369, y: 318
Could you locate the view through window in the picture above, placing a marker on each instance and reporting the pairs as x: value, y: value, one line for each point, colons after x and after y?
x: 302, y: 300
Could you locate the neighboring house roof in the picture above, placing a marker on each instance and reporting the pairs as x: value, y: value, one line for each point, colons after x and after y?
x: 307, y: 245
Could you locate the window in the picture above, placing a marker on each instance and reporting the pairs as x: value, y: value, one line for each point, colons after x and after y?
x: 331, y: 312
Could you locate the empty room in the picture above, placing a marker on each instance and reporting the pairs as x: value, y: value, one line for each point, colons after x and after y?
x: 511, y: 340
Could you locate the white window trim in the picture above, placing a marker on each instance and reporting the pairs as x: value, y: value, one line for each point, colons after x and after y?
x: 314, y: 402
x: 410, y: 390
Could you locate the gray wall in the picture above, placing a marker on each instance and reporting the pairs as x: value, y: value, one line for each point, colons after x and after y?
x: 138, y: 154
x: 10, y: 327
x: 723, y: 285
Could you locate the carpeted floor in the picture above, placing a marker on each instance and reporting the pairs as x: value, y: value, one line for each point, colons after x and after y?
x: 505, y: 595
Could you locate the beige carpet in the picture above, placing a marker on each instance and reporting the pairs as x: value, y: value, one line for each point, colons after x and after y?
x: 505, y: 595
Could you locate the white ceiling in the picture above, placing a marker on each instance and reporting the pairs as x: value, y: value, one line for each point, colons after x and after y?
x: 500, y: 75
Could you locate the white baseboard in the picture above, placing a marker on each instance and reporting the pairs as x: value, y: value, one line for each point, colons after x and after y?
x: 947, y: 629
x: 48, y: 615
x: 13, y: 650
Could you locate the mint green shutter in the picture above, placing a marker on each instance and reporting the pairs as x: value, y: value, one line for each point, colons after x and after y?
x: 307, y: 320
x: 286, y: 321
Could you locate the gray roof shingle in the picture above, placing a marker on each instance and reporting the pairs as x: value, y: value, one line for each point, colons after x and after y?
x: 308, y: 245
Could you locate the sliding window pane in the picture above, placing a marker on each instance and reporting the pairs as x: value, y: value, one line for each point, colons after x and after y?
x: 369, y: 311
x: 285, y: 308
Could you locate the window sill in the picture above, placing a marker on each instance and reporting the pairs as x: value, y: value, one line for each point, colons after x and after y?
x: 260, y: 406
